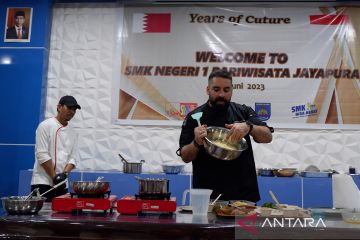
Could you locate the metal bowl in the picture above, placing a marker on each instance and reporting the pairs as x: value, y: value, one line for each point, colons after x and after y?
x: 90, y: 187
x: 173, y: 169
x: 218, y: 146
x: 285, y: 172
x: 20, y: 206
x: 266, y: 172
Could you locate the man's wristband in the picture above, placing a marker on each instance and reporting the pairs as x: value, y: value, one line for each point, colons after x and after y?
x: 196, y: 144
x: 251, y: 126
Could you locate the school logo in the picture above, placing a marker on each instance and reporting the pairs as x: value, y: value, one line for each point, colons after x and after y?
x: 263, y: 111
x: 304, y: 110
x: 185, y: 108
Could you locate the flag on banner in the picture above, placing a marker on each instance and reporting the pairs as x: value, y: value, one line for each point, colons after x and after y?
x: 328, y: 19
x: 151, y: 22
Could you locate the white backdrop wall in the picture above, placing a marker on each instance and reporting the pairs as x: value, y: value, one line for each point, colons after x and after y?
x: 84, y: 61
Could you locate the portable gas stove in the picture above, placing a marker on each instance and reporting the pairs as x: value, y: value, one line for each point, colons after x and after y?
x: 142, y: 203
x: 71, y: 202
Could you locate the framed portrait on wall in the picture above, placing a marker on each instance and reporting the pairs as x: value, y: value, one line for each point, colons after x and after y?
x: 18, y: 24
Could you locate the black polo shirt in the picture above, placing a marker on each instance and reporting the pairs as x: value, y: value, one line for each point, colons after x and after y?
x: 235, y: 179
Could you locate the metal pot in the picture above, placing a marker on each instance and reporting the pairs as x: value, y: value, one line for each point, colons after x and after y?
x: 217, y: 144
x: 153, y: 185
x: 20, y: 206
x: 90, y: 187
x: 266, y: 172
x: 131, y: 167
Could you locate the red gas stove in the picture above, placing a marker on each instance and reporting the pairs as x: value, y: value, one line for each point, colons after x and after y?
x: 71, y: 202
x: 135, y: 205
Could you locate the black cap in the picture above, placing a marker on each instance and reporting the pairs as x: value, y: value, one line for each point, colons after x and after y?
x: 20, y: 13
x: 69, y: 101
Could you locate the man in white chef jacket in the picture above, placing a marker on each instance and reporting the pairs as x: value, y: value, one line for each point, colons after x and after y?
x: 55, y: 150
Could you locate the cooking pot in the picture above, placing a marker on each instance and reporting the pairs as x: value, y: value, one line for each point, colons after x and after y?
x: 266, y: 172
x: 153, y: 185
x: 19, y: 205
x: 90, y: 187
x: 131, y: 167
x: 218, y: 146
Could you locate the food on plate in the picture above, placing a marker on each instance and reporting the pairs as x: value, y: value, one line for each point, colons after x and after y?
x: 233, y: 211
x: 244, y: 204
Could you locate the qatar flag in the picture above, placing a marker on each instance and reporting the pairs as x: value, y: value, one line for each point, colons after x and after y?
x: 151, y: 22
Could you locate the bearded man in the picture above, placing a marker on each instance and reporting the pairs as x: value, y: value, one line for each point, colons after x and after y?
x: 234, y: 179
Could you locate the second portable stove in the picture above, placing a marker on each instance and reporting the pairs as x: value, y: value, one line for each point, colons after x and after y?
x: 145, y: 203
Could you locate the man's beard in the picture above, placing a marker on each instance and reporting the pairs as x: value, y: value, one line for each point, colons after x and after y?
x: 215, y: 104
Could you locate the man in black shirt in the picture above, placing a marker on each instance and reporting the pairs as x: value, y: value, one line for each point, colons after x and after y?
x: 234, y: 179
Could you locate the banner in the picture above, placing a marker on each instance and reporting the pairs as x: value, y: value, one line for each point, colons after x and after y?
x: 296, y: 67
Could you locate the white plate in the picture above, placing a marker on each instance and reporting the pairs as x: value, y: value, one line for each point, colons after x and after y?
x: 186, y: 208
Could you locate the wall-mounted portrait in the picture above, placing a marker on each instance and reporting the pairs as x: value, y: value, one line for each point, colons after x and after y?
x: 18, y: 25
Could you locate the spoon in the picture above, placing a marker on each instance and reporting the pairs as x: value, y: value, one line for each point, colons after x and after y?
x: 216, y: 199
x: 30, y: 194
x: 55, y: 186
x: 99, y: 179
x: 275, y: 199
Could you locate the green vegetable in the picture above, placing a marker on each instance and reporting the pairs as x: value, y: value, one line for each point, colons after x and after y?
x: 269, y: 205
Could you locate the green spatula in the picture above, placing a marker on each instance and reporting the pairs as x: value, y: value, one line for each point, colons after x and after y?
x: 197, y: 117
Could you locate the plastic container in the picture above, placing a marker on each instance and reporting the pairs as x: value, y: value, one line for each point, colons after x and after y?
x: 200, y: 199
x: 351, y: 215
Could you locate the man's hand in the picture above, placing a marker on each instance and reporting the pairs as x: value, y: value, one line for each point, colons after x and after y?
x: 59, y: 178
x: 200, y: 134
x: 237, y: 131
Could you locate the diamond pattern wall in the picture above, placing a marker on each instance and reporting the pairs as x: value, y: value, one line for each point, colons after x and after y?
x: 82, y: 60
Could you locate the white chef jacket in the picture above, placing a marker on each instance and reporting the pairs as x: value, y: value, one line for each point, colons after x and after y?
x: 56, y: 142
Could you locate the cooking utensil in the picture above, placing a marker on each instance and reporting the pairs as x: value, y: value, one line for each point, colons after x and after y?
x: 55, y: 186
x: 153, y: 185
x: 213, y: 203
x: 266, y: 172
x: 19, y: 205
x: 275, y: 199
x: 131, y: 167
x: 218, y: 146
x: 285, y: 172
x: 91, y: 187
x: 173, y: 169
x: 122, y: 158
x: 36, y: 191
x: 99, y: 179
x: 312, y: 168
x: 197, y: 117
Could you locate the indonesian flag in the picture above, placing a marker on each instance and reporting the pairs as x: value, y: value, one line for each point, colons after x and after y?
x: 151, y: 22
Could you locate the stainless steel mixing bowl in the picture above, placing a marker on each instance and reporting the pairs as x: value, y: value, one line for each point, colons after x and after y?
x: 218, y: 145
x: 20, y: 206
